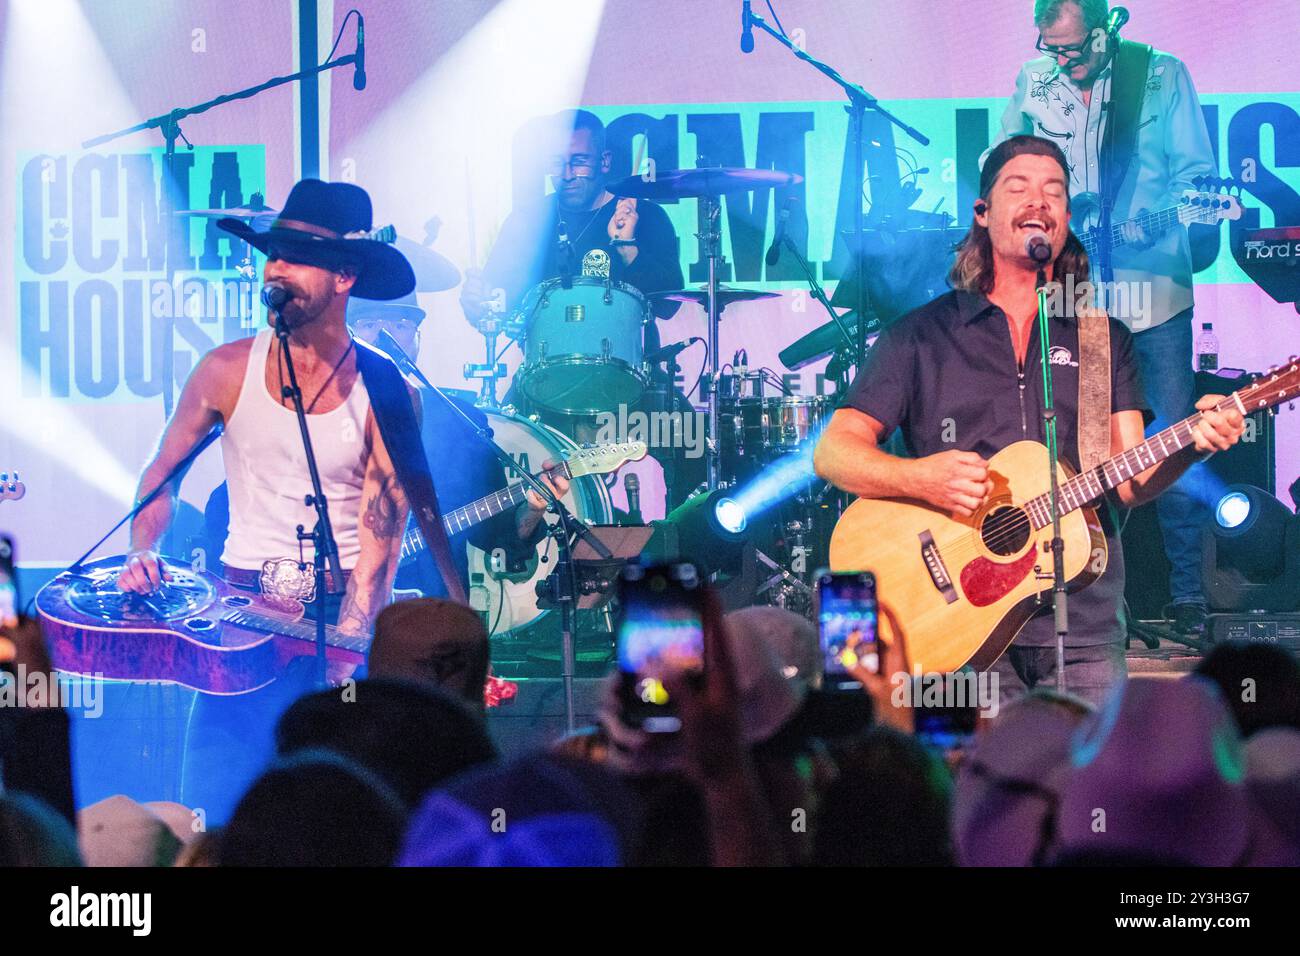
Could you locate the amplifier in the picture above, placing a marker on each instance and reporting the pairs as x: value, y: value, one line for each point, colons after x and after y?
x: 1257, y: 626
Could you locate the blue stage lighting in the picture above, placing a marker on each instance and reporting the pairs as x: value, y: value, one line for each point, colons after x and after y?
x: 730, y: 515
x: 1232, y: 510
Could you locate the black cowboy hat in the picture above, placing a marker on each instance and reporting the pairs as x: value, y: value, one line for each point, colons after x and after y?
x: 329, y: 222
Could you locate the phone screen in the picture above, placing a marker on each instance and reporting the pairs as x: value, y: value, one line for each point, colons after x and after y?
x: 945, y: 728
x: 846, y: 619
x: 661, y: 631
x: 9, y: 603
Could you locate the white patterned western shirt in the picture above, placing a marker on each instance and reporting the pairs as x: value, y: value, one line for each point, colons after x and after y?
x: 1172, y: 147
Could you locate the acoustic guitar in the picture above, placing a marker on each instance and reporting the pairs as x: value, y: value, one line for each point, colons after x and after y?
x: 960, y: 589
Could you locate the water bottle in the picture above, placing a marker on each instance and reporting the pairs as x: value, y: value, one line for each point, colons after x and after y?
x: 1207, y: 349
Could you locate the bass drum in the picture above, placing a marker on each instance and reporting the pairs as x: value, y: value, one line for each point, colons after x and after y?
x: 507, y: 596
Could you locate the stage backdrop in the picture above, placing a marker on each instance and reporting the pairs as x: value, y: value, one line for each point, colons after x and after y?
x: 435, y: 137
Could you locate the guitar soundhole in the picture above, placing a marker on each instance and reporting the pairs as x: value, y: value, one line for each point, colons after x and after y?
x: 1005, y: 530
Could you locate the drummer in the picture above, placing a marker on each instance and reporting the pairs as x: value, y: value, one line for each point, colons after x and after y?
x: 583, y: 229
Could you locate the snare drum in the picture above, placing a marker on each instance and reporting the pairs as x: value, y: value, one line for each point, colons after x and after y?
x: 756, y: 431
x: 583, y: 346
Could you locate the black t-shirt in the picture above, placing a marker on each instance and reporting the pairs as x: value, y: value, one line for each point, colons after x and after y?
x: 946, y: 376
x: 528, y: 250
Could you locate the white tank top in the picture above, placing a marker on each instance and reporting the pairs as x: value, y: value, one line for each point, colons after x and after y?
x: 266, y: 470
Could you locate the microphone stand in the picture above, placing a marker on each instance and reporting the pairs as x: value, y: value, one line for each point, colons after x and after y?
x: 322, y: 535
x: 182, y: 466
x: 1060, y: 609
x: 859, y: 102
x: 169, y: 125
x: 819, y: 294
x: 564, y: 590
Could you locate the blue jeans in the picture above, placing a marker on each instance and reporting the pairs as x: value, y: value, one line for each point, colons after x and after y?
x: 230, y: 740
x: 1165, y: 360
x: 1090, y: 671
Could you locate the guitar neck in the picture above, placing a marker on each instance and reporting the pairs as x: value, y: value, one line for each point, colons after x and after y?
x: 489, y: 506
x: 301, y: 630
x: 1088, y: 486
x: 1153, y: 223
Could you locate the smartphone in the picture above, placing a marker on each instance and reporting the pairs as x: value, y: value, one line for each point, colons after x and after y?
x: 846, y: 620
x: 10, y: 604
x: 945, y: 728
x: 660, y: 631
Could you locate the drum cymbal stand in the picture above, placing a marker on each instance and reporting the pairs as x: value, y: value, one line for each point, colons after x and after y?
x: 490, y: 371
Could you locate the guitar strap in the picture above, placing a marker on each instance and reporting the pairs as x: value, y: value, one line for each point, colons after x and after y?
x: 1128, y: 89
x: 1094, y: 388
x: 391, y: 401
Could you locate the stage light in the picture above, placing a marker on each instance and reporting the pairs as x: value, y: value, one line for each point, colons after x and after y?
x: 1251, y: 553
x: 730, y: 515
x: 1232, y: 510
x: 711, y: 529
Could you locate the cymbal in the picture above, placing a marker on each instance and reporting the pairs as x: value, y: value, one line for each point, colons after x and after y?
x: 238, y: 212
x: 709, y: 181
x: 726, y: 295
x: 434, y: 272
x: 822, y: 341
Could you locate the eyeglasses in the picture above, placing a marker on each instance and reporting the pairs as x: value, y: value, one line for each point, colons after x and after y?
x: 1079, y: 51
x: 580, y: 165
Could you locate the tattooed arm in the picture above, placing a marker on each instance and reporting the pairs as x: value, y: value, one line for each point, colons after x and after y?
x: 380, y: 525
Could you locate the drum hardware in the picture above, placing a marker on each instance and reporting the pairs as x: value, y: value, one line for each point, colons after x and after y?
x: 491, y: 370
x: 707, y: 184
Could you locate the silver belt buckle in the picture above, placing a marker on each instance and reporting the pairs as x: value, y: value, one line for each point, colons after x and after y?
x: 284, y: 580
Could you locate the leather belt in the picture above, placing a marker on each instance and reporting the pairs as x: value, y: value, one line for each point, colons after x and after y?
x: 252, y: 580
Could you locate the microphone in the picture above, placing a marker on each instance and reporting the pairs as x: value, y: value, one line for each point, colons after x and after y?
x: 783, y: 220
x: 359, y: 64
x: 1038, y: 248
x: 671, y: 351
x: 1115, y: 22
x: 274, y: 296
x: 632, y: 485
x: 746, y: 29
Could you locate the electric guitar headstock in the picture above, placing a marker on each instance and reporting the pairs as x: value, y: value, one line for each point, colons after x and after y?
x: 11, y: 489
x: 602, y: 459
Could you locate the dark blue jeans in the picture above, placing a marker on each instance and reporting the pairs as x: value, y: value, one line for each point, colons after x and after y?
x: 230, y: 740
x: 1090, y: 671
x: 1165, y: 359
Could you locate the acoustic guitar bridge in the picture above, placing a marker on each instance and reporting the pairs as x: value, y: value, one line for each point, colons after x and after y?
x: 934, y: 564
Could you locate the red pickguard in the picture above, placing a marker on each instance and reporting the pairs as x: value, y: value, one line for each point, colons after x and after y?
x: 986, y: 582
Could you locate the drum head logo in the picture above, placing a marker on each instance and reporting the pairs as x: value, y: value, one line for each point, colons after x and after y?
x: 595, y: 264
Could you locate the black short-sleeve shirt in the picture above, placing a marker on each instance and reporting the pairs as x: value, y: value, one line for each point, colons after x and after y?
x: 946, y: 376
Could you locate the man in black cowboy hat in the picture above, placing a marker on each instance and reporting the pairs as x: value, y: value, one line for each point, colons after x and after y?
x: 319, y: 251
